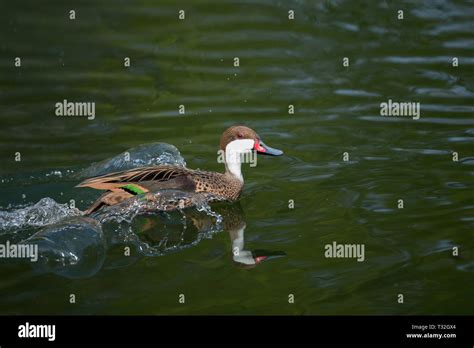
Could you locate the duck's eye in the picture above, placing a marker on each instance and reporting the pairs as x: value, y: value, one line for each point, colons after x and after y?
x: 240, y: 135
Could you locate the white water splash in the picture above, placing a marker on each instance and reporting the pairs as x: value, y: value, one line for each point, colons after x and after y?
x: 47, y: 211
x: 163, y: 201
x: 141, y: 156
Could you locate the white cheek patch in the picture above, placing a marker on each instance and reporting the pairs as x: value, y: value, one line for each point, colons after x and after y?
x: 235, y: 148
x: 239, y: 146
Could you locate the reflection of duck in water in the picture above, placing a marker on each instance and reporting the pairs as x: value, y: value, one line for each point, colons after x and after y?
x: 235, y: 142
x: 232, y: 222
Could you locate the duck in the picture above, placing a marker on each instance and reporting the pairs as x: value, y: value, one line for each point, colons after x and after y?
x: 236, y: 142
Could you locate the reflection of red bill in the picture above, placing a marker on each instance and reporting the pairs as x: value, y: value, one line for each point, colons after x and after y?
x: 263, y: 255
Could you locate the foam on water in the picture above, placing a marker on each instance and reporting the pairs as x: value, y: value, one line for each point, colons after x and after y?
x: 47, y: 211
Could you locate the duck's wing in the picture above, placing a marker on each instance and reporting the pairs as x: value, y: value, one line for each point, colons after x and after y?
x: 140, y: 180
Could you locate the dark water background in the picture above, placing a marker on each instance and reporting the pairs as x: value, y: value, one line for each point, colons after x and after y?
x: 282, y: 62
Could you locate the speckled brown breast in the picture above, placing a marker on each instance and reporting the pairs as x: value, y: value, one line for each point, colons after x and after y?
x: 224, y: 186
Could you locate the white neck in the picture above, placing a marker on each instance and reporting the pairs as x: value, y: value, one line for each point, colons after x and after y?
x: 233, y: 151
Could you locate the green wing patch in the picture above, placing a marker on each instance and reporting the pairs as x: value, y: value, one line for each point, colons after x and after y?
x: 133, y: 189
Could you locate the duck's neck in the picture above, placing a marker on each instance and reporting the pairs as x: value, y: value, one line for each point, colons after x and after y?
x: 233, y: 160
x: 233, y: 166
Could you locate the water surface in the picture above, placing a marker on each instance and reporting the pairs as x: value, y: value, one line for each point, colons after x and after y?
x: 337, y: 109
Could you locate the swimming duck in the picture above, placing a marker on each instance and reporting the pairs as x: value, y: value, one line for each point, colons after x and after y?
x: 235, y: 142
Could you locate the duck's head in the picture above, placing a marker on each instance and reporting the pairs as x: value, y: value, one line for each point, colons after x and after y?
x: 238, y: 142
x: 241, y: 139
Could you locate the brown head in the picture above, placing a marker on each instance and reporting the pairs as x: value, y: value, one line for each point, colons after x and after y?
x: 236, y: 133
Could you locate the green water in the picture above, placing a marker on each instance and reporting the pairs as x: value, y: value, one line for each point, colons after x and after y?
x: 190, y: 62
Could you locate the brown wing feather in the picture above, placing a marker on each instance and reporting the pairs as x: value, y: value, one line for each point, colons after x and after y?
x: 112, y: 181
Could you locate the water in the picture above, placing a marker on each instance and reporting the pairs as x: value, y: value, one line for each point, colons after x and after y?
x: 407, y: 251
